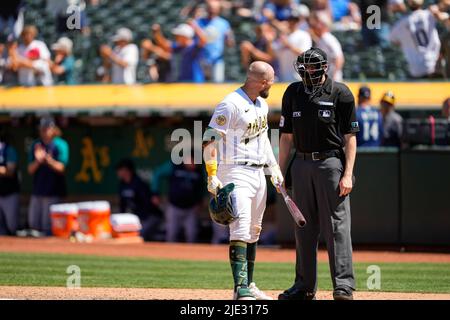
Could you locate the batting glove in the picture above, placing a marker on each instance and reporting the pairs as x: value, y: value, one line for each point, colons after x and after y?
x: 276, y: 175
x: 213, y: 184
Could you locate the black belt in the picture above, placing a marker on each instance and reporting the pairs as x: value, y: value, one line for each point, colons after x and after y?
x: 254, y: 165
x: 321, y: 155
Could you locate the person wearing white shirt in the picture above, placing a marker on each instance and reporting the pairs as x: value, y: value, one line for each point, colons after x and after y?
x: 324, y: 40
x: 31, y: 60
x: 289, y: 46
x: 417, y: 35
x: 124, y: 57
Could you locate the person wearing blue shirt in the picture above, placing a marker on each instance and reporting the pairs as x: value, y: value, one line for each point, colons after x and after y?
x: 48, y: 159
x: 188, y: 45
x: 63, y: 64
x: 9, y: 189
x: 218, y: 33
x: 369, y: 120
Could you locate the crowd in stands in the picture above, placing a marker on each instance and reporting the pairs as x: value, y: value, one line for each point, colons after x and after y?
x: 194, y: 51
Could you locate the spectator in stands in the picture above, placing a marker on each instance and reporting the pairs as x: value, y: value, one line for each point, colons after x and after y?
x: 289, y: 46
x: 392, y: 122
x: 277, y: 11
x: 63, y: 65
x: 322, y: 6
x: 446, y: 109
x: 157, y: 60
x: 345, y: 14
x: 9, y: 188
x: 397, y: 7
x: 375, y: 35
x: 369, y: 119
x: 261, y: 49
x: 189, y: 42
x: 135, y: 197
x: 186, y: 194
x: 11, y: 17
x: 30, y: 60
x: 441, y: 12
x: 48, y: 159
x: 320, y: 24
x: 7, y: 73
x: 248, y: 8
x: 417, y: 35
x: 218, y: 33
x: 123, y: 59
x: 304, y: 13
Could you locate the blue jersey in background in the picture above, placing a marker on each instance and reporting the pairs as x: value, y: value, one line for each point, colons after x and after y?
x: 370, y: 127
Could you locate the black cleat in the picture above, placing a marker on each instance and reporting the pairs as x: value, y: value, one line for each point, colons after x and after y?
x: 342, y: 294
x: 294, y: 293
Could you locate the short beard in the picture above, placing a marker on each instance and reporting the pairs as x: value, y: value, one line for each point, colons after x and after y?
x: 264, y: 94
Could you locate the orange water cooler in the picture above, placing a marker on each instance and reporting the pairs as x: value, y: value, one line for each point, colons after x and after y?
x: 64, y: 219
x: 93, y: 218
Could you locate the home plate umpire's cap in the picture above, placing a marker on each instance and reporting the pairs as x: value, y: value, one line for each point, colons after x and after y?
x: 222, y: 206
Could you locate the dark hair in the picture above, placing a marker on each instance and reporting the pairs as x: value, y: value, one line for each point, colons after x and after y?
x: 126, y: 164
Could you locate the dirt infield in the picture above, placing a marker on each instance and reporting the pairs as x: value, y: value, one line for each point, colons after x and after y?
x: 203, y: 252
x: 52, y: 293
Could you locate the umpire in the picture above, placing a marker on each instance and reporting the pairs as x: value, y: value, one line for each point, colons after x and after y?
x: 318, y: 120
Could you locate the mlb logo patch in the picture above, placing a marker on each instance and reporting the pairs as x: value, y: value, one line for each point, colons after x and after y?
x: 297, y: 114
x: 325, y: 113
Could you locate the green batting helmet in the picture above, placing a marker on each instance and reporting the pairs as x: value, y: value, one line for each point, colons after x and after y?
x: 221, y: 207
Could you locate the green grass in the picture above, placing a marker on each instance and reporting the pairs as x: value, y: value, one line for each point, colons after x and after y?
x: 50, y: 270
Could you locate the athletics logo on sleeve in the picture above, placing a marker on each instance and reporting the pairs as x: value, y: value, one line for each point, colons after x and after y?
x: 221, y: 120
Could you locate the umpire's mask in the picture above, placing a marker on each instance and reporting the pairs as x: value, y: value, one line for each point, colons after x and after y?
x: 311, y: 65
x: 222, y: 206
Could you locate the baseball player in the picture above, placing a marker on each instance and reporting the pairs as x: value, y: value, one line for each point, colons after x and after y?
x: 369, y: 120
x: 236, y: 150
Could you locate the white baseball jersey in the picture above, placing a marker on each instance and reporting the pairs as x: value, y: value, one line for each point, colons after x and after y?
x: 419, y: 39
x: 243, y: 125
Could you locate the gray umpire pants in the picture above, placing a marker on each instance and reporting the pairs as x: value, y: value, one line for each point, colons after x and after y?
x: 316, y: 192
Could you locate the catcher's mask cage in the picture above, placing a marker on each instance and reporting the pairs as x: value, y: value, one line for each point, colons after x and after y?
x: 311, y: 65
x: 222, y: 206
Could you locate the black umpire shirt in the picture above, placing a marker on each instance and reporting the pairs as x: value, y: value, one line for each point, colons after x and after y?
x: 318, y: 123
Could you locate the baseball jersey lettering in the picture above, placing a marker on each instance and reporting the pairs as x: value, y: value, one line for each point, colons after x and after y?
x: 244, y: 127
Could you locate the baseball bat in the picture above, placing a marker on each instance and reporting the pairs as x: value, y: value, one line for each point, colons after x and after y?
x: 292, y: 207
